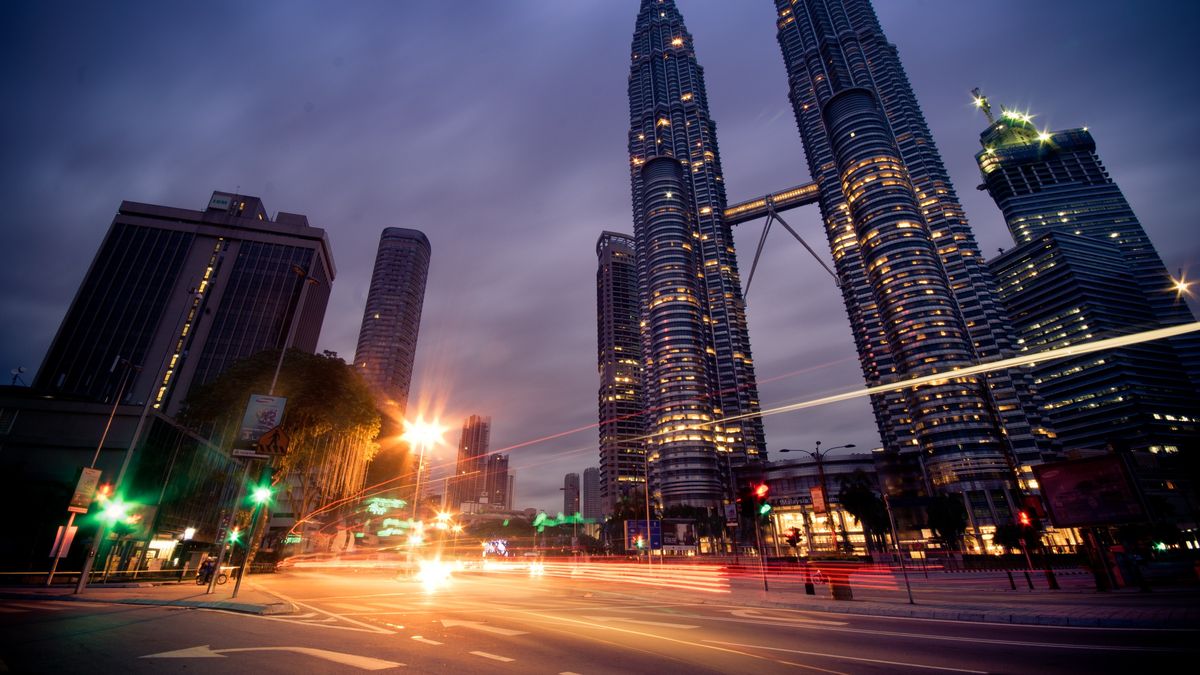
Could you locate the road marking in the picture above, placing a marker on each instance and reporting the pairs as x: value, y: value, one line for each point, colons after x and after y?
x: 477, y: 625
x: 644, y: 623
x: 206, y: 652
x: 755, y: 614
x: 346, y: 606
x: 557, y: 620
x: 427, y: 641
x: 567, y: 672
x: 369, y: 627
x: 851, y: 658
x: 493, y: 657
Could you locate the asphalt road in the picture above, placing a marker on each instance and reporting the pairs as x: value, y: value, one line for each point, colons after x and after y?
x: 355, y: 621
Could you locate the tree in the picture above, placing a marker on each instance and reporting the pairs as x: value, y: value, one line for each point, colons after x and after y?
x: 1010, y: 536
x: 330, y: 419
x: 947, y: 517
x: 861, y: 498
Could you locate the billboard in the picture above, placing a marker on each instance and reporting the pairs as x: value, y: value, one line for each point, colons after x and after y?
x: 679, y: 533
x: 1089, y: 492
x: 263, y: 413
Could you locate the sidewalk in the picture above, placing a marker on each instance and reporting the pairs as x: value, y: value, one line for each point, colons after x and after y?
x: 250, y: 600
x: 979, y: 597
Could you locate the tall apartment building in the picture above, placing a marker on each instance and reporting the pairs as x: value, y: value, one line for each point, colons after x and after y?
x: 497, y: 482
x: 593, y: 499
x: 619, y: 361
x: 571, y: 504
x: 919, y: 297
x: 1084, y: 268
x: 387, y: 340
x: 670, y: 126
x: 183, y: 294
x: 468, y: 484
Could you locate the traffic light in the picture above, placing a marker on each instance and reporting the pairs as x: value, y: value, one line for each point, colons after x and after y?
x: 104, y: 492
x: 234, y: 535
x: 261, y: 493
x: 793, y: 537
x: 761, y: 506
x: 1024, y: 519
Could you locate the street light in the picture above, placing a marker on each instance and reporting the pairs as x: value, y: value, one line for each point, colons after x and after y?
x: 818, y: 455
x: 422, y: 434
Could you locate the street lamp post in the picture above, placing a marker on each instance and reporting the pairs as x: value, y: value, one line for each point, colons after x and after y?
x: 819, y: 456
x: 423, y: 434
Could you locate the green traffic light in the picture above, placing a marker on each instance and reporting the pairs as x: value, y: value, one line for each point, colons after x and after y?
x: 234, y: 534
x: 261, y: 494
x: 764, y: 509
x: 115, y: 511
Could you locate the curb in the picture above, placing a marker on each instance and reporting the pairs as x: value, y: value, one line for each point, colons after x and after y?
x: 259, y: 609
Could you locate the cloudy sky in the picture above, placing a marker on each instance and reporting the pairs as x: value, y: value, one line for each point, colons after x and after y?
x: 498, y: 129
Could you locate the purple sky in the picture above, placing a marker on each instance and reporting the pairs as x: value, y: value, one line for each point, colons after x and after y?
x: 498, y: 129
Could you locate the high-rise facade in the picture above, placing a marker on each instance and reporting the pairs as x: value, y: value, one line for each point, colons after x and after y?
x: 672, y: 141
x: 619, y: 361
x: 497, y: 482
x: 919, y: 297
x: 387, y: 340
x: 468, y: 484
x: 593, y: 500
x: 1062, y: 289
x: 183, y: 294
x: 571, y: 503
x: 1083, y: 269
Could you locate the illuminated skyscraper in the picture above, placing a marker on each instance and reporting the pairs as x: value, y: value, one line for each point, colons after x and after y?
x: 192, y: 291
x: 619, y: 360
x: 669, y: 120
x: 387, y: 340
x: 1084, y: 268
x: 919, y: 296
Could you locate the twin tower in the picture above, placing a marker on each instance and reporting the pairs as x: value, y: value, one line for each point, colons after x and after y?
x: 915, y: 286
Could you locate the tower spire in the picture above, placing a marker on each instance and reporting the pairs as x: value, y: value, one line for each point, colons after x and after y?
x: 981, y: 102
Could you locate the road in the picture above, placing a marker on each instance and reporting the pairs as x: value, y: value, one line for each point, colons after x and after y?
x: 494, y: 622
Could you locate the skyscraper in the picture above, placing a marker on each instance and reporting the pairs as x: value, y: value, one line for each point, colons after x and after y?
x: 468, y: 485
x: 919, y: 297
x: 387, y: 340
x: 193, y: 291
x: 669, y: 120
x: 619, y: 360
x: 1084, y: 268
x: 593, y: 500
x: 496, y: 482
x: 571, y: 494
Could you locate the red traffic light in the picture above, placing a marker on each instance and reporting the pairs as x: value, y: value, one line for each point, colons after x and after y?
x: 761, y: 490
x: 1023, y: 519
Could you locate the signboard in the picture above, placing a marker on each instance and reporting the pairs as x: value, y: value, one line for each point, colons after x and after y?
x: 731, y: 517
x: 85, y: 490
x: 242, y: 452
x: 818, y: 498
x: 1089, y: 492
x: 219, y: 202
x: 263, y: 413
x: 61, y: 544
x: 636, y: 529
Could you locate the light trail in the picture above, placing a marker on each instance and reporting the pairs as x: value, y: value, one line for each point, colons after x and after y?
x: 1079, y: 349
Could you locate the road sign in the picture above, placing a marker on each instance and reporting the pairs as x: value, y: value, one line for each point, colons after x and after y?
x: 85, y: 490
x: 274, y: 442
x: 239, y: 452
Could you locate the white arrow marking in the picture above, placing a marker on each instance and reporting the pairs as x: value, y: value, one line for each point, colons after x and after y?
x: 755, y: 614
x: 475, y: 625
x: 644, y: 623
x: 206, y: 652
x: 426, y: 640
